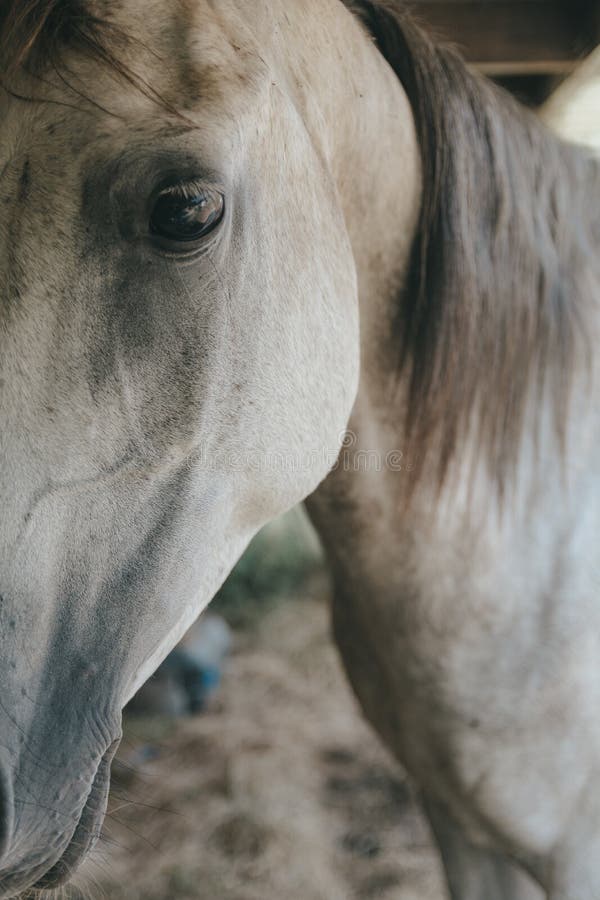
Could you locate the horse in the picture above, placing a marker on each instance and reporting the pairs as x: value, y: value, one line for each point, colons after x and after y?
x: 258, y: 253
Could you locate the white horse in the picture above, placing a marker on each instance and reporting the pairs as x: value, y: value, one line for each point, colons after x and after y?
x: 230, y: 231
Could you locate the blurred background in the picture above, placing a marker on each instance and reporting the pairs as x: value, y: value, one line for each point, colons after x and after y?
x: 528, y: 46
x: 246, y: 771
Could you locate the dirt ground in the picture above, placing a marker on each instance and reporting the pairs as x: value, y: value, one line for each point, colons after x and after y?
x: 279, y: 792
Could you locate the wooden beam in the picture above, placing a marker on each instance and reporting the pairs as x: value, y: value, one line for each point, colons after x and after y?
x: 511, y: 37
x: 525, y: 67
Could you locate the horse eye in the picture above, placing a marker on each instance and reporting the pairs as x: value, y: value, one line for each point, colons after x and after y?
x: 184, y: 213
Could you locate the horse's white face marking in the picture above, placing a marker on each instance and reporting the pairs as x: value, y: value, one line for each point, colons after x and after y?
x: 156, y: 407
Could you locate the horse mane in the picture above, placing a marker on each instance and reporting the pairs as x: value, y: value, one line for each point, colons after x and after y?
x: 504, y: 264
x: 33, y: 33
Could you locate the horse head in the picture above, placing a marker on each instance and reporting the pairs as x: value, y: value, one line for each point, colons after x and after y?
x: 178, y: 362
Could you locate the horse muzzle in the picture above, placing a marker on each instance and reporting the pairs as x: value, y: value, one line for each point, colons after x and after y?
x: 48, y: 866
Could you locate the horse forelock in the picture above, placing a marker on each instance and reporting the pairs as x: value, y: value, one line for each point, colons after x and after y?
x: 34, y: 33
x: 497, y: 303
x: 37, y: 36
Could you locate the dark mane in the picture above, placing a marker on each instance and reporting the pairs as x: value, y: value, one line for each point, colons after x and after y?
x: 33, y: 33
x: 505, y: 262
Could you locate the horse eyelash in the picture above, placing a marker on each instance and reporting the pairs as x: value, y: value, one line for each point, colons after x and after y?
x: 185, y: 190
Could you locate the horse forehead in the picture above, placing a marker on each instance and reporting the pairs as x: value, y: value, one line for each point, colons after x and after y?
x: 195, y: 47
x: 185, y: 56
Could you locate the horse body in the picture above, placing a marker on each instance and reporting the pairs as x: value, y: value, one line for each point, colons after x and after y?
x: 472, y: 643
x: 468, y: 621
x: 159, y: 373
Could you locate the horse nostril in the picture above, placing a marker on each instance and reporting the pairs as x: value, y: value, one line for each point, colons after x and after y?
x: 7, y: 811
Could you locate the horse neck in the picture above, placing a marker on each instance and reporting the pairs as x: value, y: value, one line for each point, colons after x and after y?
x: 361, y: 124
x: 367, y: 130
x: 488, y: 369
x: 377, y: 168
